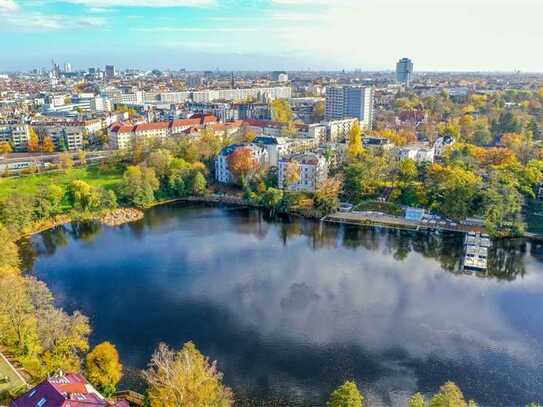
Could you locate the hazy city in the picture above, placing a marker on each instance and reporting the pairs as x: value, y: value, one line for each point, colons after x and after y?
x: 212, y: 203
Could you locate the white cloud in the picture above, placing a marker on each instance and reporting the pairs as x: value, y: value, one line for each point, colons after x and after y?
x: 8, y: 6
x: 143, y: 3
x: 38, y: 22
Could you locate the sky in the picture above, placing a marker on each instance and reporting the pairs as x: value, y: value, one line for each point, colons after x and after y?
x: 441, y: 35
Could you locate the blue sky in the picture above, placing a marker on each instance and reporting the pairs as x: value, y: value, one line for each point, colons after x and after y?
x: 273, y: 34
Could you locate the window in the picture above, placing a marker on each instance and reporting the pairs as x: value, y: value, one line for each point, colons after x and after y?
x: 41, y: 402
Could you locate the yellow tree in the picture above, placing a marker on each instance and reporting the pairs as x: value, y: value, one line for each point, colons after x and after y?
x: 48, y: 145
x: 66, y: 161
x: 33, y: 140
x: 355, y: 147
x: 346, y: 395
x: 9, y: 253
x: 450, y: 395
x: 293, y: 173
x: 103, y: 368
x: 281, y: 111
x: 185, y: 378
x: 5, y: 148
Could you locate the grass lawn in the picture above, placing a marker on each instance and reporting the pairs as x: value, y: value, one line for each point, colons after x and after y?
x: 14, y: 380
x: 31, y: 183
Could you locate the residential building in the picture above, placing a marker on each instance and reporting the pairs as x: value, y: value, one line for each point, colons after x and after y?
x: 110, y: 71
x: 338, y: 130
x: 65, y: 390
x: 279, y: 76
x: 404, y: 71
x: 441, y: 145
x: 16, y: 135
x: 377, y: 143
x: 418, y: 153
x: 222, y: 166
x: 313, y: 172
x: 350, y: 101
x: 277, y: 148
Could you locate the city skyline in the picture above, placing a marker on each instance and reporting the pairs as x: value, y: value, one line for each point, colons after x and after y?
x: 272, y: 34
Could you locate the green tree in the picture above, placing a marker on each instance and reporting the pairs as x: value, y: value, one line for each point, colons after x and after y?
x: 47, y: 202
x: 346, y: 395
x: 103, y: 368
x: 272, y: 198
x: 185, y: 378
x: 139, y: 185
x: 199, y: 184
x: 160, y: 160
x: 17, y: 212
x: 83, y: 196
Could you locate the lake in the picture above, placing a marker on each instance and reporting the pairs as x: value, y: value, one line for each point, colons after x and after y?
x: 291, y: 308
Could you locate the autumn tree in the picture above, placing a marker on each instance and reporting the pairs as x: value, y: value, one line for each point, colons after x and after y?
x: 355, y: 147
x: 281, y: 111
x: 5, y: 148
x: 248, y: 135
x: 417, y: 400
x: 185, y: 378
x: 199, y: 184
x: 103, y: 368
x: 327, y: 195
x: 48, y: 146
x: 33, y: 140
x: 82, y: 157
x: 242, y: 163
x: 83, y: 196
x: 9, y: 253
x: 346, y: 395
x: 293, y: 173
x: 450, y: 395
x: 66, y: 161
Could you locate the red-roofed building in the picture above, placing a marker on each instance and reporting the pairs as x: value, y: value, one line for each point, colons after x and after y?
x: 65, y: 390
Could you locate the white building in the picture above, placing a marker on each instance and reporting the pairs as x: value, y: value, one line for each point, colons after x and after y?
x: 350, y: 101
x: 277, y: 148
x: 416, y: 153
x: 338, y: 130
x: 441, y: 144
x: 313, y: 172
x: 222, y: 167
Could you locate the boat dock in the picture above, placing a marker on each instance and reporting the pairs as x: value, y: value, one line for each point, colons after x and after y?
x: 476, y: 251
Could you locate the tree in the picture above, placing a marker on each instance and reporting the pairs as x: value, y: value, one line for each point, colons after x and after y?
x: 450, y: 396
x: 47, y: 202
x: 293, y: 173
x: 281, y: 111
x: 104, y: 369
x: 242, y: 162
x: 66, y: 161
x: 326, y: 196
x: 160, y: 160
x: 139, y: 185
x: 48, y: 146
x: 355, y: 147
x: 272, y: 198
x: 408, y: 170
x: 5, y: 148
x: 185, y: 378
x: 199, y: 184
x: 346, y: 395
x: 248, y: 135
x: 82, y: 157
x: 9, y: 253
x: 83, y: 196
x: 62, y: 338
x: 17, y: 212
x: 318, y: 112
x: 33, y: 140
x: 417, y: 400
x: 18, y: 324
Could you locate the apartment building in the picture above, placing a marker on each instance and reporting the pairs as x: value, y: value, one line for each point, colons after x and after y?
x: 350, y: 101
x: 313, y: 171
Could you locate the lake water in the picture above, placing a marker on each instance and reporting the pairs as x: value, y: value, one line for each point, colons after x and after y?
x: 290, y: 309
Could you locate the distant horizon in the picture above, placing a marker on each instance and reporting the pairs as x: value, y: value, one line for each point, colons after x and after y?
x: 261, y: 35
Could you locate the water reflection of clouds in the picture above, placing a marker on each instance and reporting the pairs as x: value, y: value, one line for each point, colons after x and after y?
x: 357, y: 297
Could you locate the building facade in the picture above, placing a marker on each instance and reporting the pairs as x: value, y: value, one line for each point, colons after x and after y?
x: 350, y: 101
x: 404, y: 71
x: 222, y: 165
x: 313, y: 171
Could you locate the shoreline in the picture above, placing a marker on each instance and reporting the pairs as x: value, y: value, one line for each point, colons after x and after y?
x: 122, y: 216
